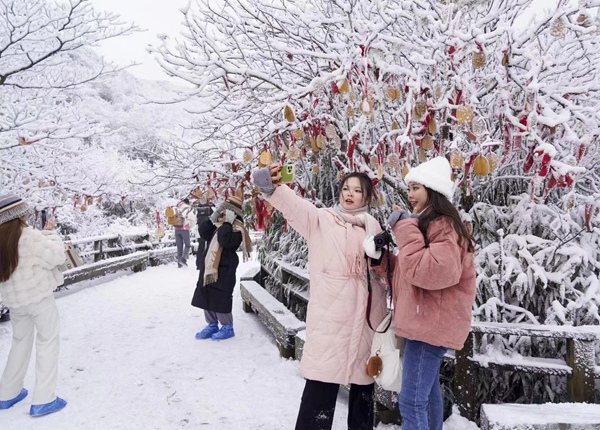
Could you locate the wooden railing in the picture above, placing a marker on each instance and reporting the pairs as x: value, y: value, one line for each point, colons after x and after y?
x: 106, y: 254
x: 101, y: 255
x: 114, y: 245
x: 578, y: 366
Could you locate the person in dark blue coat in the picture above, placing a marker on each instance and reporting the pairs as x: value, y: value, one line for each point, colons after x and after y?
x: 224, y: 232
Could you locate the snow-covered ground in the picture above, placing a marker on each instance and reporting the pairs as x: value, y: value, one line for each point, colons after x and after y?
x: 129, y: 360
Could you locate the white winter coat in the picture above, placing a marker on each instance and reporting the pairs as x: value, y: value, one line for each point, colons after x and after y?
x: 36, y: 275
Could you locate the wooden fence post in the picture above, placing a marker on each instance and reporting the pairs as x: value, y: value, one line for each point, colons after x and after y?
x: 465, y: 383
x: 581, y: 358
x: 140, y: 267
x: 113, y: 243
x: 98, y: 247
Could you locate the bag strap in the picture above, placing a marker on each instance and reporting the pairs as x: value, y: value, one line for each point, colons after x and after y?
x: 370, y: 289
x: 183, y: 212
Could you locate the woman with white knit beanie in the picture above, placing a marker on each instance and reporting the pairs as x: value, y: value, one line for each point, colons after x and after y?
x: 29, y: 261
x: 434, y: 289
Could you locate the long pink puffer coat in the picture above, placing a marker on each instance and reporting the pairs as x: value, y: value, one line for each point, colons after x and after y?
x: 338, y: 338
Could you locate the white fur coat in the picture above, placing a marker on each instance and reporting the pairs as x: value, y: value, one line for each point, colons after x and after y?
x: 36, y: 275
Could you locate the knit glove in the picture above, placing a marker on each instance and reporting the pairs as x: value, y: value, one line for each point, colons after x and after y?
x: 398, y: 216
x: 216, y: 214
x: 262, y: 179
x: 229, y: 216
x: 369, y: 247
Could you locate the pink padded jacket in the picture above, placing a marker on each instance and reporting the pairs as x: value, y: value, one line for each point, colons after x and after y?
x: 434, y: 286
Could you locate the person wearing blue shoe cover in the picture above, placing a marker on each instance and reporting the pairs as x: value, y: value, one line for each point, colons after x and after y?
x: 224, y: 232
x: 29, y: 261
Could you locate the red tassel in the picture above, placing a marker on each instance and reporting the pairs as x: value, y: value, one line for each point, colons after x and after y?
x: 528, y: 163
x: 580, y: 152
x: 588, y: 212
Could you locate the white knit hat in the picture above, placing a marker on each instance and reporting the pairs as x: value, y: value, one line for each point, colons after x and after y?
x: 435, y: 174
x: 13, y: 207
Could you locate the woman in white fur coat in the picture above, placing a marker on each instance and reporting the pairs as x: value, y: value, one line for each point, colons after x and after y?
x: 29, y: 261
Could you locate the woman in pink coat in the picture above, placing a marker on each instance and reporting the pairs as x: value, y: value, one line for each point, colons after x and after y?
x: 434, y: 288
x: 338, y: 337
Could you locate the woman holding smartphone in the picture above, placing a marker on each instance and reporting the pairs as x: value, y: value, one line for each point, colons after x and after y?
x: 338, y: 336
x: 28, y: 276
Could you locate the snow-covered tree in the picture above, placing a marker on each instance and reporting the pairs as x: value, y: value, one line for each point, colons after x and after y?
x: 381, y: 86
x: 42, y: 55
x: 77, y: 136
x: 44, y: 61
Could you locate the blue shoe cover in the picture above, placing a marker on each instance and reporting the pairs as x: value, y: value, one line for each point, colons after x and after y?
x: 47, y: 408
x: 208, y: 331
x: 226, y: 332
x: 5, y: 404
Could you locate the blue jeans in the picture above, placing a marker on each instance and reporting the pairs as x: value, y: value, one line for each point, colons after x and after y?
x: 420, y: 399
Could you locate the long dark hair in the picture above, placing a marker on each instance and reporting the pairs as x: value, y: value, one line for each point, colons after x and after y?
x: 365, y: 184
x: 441, y: 206
x: 10, y: 233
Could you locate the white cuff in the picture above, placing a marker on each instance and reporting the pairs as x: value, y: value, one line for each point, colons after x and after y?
x: 369, y: 246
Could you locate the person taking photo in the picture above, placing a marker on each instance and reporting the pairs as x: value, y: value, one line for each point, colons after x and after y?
x: 338, y: 336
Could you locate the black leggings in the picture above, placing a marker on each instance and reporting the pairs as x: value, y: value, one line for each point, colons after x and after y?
x: 318, y: 405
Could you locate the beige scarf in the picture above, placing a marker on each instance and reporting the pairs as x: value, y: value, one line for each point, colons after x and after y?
x: 213, y: 255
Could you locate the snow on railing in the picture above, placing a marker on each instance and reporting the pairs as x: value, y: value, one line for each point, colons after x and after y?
x: 519, y: 362
x: 280, y: 321
x: 112, y: 245
x: 578, y: 365
x: 137, y: 261
x: 294, y: 280
x: 114, y: 252
x: 83, y: 240
x: 550, y: 331
x: 115, y: 260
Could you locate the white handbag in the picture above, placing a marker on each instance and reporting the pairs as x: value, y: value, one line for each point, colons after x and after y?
x: 385, y: 363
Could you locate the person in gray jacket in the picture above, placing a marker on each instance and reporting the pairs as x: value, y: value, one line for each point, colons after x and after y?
x: 182, y: 232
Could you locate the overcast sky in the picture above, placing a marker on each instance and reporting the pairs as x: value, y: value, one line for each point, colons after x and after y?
x: 156, y: 17
x: 162, y: 17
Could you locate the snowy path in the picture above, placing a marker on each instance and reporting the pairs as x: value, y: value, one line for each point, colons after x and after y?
x: 129, y: 360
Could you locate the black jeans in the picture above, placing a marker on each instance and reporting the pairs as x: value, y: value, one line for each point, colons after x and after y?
x: 318, y: 405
